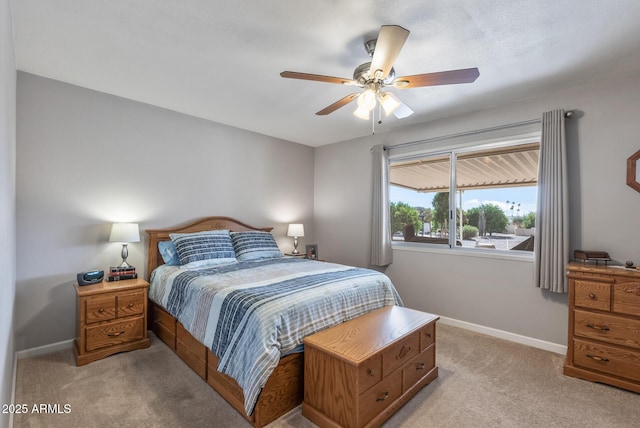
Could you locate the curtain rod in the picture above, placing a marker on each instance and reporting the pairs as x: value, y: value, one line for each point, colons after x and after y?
x: 568, y: 114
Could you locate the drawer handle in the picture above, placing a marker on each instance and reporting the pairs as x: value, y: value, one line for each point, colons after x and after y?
x: 595, y: 357
x: 384, y: 397
x: 101, y: 310
x: 420, y: 366
x: 371, y: 372
x: 130, y: 305
x: 598, y: 327
x: 115, y: 334
x: 592, y: 296
x: 428, y: 335
x: 404, y: 351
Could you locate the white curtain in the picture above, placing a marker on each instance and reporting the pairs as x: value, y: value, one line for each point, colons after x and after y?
x: 551, y: 244
x: 381, y: 251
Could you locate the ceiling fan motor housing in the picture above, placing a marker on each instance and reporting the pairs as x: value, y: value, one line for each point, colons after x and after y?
x: 362, y: 76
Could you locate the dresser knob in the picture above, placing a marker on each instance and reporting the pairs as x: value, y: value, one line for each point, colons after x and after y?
x: 371, y: 372
x: 420, y: 366
x: 130, y: 305
x: 384, y: 397
x: 592, y: 296
x: 101, y: 310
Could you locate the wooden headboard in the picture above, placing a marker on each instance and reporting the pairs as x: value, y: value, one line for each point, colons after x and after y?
x: 154, y: 259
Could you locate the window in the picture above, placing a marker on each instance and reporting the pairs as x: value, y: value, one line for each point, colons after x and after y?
x: 492, y: 189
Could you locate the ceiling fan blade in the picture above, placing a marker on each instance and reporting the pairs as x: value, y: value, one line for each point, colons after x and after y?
x: 402, y: 110
x: 340, y: 103
x: 317, y: 78
x: 390, y: 41
x: 452, y: 77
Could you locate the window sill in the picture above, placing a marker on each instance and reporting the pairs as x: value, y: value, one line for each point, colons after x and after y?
x: 462, y: 252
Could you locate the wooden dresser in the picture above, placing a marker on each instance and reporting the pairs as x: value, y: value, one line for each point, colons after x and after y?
x: 111, y: 318
x: 360, y: 372
x: 604, y: 325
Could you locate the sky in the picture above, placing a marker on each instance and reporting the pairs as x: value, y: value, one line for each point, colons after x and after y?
x: 525, y: 196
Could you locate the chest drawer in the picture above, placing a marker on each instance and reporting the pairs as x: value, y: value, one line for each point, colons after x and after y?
x: 369, y: 373
x: 607, y: 328
x: 619, y: 362
x: 102, y: 308
x: 106, y: 335
x: 427, y: 336
x: 378, y: 398
x: 398, y: 354
x: 418, y: 367
x: 593, y: 295
x: 626, y: 298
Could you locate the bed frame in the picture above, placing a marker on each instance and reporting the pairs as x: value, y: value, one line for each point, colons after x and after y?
x: 284, y: 389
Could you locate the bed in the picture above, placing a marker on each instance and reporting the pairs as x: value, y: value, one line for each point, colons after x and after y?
x: 198, y: 313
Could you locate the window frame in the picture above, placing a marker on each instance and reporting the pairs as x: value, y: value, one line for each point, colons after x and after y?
x: 453, y: 151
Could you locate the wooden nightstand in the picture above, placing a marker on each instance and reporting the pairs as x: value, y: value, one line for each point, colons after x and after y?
x: 111, y: 318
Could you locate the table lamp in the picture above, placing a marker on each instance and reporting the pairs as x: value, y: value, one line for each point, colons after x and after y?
x: 124, y: 233
x: 296, y: 230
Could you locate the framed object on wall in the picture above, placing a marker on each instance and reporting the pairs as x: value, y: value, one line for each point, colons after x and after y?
x: 633, y: 171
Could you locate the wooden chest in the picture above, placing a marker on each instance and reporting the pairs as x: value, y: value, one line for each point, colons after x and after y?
x: 360, y: 372
x: 604, y: 325
x: 111, y: 318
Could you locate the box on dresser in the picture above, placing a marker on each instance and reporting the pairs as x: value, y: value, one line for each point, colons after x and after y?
x: 604, y: 325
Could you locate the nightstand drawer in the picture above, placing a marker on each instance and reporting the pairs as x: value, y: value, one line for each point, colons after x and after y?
x: 102, y: 308
x: 593, y: 295
x: 105, y: 335
x: 130, y: 304
x: 619, y: 362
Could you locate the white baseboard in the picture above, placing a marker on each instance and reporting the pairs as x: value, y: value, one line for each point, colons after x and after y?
x: 45, y: 349
x: 501, y: 334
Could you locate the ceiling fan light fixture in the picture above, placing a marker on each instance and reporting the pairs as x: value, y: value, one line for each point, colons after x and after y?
x: 388, y: 102
x: 367, y: 100
x: 361, y: 113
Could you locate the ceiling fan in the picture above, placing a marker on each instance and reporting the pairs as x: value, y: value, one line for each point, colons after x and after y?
x: 379, y: 73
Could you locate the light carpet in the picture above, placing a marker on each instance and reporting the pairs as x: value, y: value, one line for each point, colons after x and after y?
x: 483, y: 382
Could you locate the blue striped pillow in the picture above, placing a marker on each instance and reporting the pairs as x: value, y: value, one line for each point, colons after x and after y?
x: 256, y: 245
x: 212, y: 247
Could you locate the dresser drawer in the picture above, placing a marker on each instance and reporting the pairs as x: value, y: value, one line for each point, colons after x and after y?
x: 131, y: 304
x: 615, y: 361
x: 593, y: 295
x: 398, y: 354
x: 102, y: 308
x: 607, y: 328
x: 379, y: 397
x: 626, y: 298
x: 369, y: 373
x: 418, y: 367
x: 105, y: 335
x: 427, y: 336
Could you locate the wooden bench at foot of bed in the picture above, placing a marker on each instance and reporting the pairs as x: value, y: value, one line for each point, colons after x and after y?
x: 284, y: 389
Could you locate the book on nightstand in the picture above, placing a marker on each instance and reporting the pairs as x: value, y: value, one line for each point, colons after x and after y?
x: 119, y: 273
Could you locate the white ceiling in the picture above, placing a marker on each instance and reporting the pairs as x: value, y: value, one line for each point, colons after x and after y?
x: 220, y: 60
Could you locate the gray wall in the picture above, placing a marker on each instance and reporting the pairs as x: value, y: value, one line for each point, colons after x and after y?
x: 492, y: 292
x: 7, y: 205
x: 86, y: 159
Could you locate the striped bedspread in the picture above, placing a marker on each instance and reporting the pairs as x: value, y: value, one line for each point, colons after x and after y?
x: 251, y: 313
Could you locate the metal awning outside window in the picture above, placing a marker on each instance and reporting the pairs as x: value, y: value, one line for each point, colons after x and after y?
x: 504, y: 167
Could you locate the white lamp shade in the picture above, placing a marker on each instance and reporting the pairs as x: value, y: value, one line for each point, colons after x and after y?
x: 125, y: 232
x: 295, y: 230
